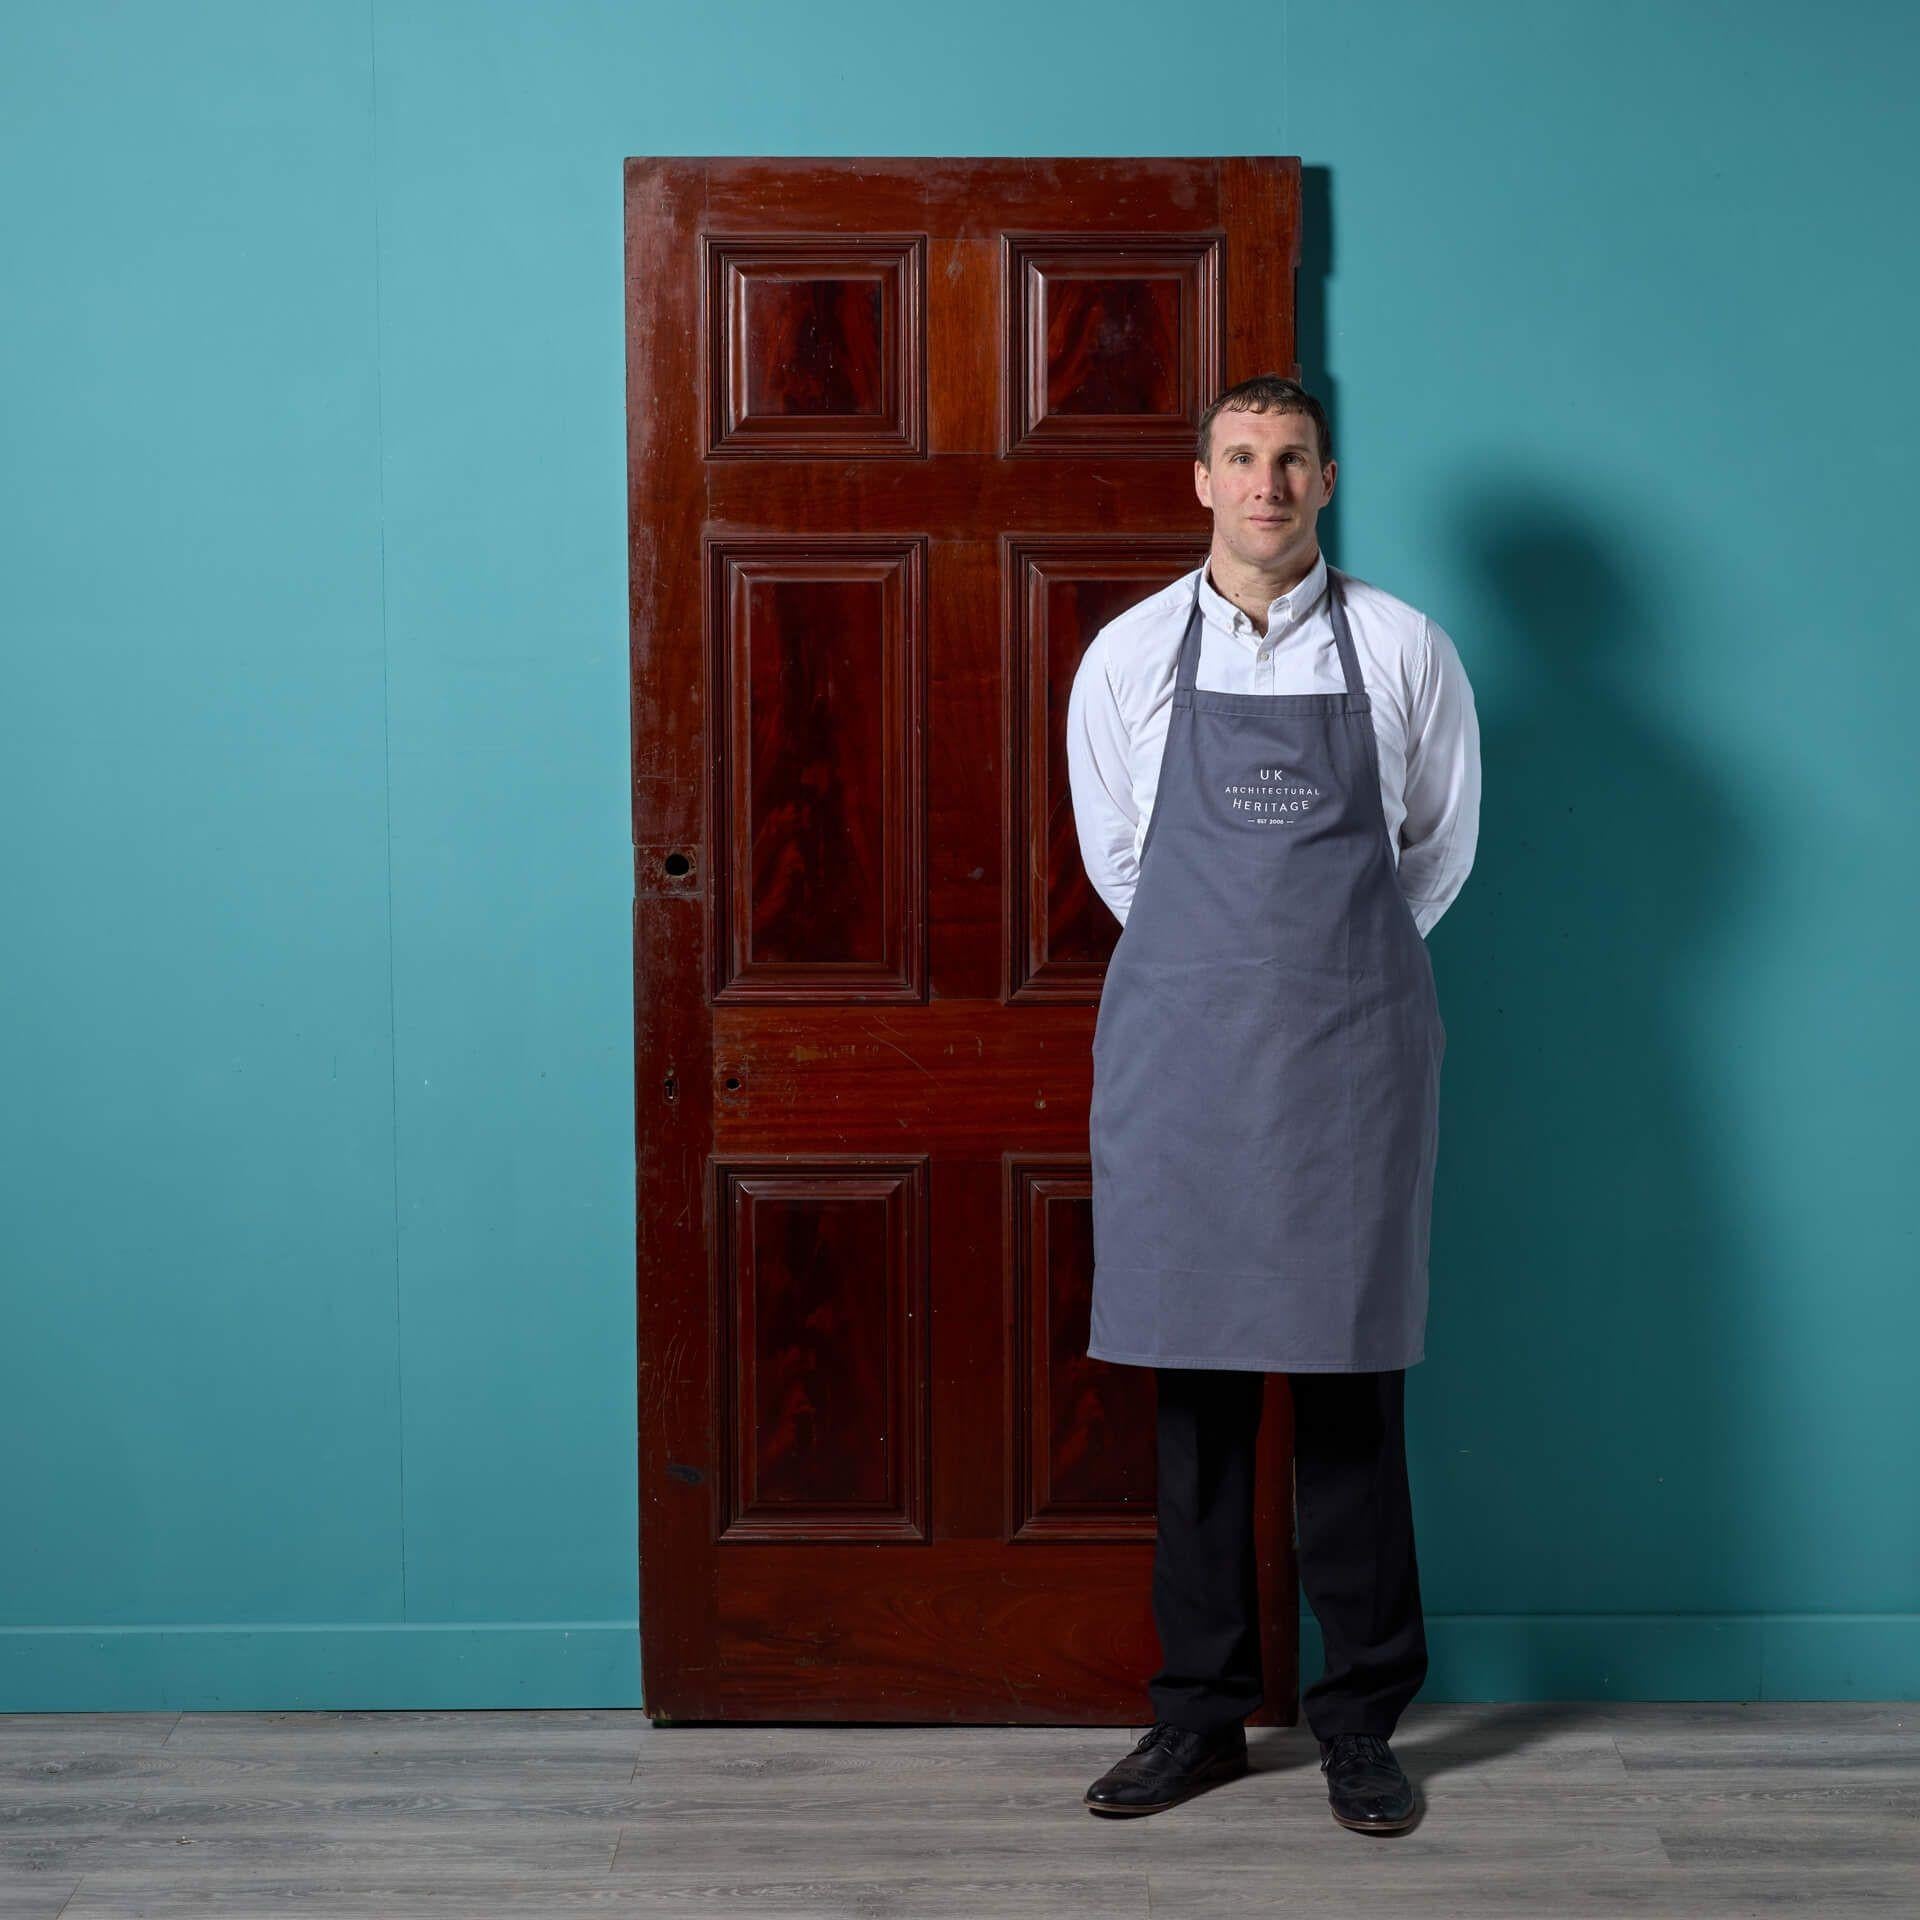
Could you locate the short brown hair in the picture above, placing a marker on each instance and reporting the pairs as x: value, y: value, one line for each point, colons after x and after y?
x: 1265, y: 393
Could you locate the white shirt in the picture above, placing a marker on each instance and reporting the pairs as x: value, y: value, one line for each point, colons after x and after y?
x: 1423, y: 719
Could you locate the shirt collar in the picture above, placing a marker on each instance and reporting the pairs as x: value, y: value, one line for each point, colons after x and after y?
x: 1293, y: 606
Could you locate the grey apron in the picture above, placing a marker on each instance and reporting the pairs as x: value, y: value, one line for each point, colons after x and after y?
x: 1266, y: 1060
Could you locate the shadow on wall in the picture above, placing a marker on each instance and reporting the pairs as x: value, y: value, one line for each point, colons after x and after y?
x: 1587, y: 1441
x: 1595, y: 1266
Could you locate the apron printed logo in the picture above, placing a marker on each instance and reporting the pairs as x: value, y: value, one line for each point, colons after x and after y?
x: 1276, y: 799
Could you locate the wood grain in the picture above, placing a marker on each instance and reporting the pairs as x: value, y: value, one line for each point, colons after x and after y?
x: 903, y: 435
x: 1680, y: 1811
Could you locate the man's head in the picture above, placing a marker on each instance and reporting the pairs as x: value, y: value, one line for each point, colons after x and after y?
x: 1264, y: 464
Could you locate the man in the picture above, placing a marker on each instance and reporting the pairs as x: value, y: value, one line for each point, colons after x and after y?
x: 1276, y: 785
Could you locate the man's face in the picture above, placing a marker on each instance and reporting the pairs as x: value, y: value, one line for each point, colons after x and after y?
x: 1266, y: 487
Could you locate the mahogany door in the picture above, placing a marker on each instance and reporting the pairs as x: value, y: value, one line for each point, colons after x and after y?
x: 903, y: 434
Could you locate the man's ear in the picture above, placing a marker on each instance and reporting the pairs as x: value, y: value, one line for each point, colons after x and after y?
x: 1202, y: 485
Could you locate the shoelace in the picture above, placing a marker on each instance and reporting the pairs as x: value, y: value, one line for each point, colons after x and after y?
x: 1159, y: 1734
x: 1370, y: 1746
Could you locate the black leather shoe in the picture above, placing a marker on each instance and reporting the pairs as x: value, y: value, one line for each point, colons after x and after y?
x: 1365, y: 1787
x: 1167, y: 1765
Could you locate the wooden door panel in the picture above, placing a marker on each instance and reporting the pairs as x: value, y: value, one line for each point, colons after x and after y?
x: 1082, y: 1432
x: 815, y: 345
x: 902, y: 435
x: 821, y: 1280
x: 818, y: 712
x: 1113, y: 342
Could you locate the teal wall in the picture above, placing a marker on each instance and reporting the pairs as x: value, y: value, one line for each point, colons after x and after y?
x: 316, y: 1369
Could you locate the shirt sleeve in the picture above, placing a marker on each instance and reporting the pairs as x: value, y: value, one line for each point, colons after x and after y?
x: 1101, y: 781
x: 1442, y: 827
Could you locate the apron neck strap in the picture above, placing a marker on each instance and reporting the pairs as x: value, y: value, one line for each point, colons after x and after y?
x: 1189, y: 665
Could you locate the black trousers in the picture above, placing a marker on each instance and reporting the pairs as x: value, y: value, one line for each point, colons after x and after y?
x: 1355, y: 1520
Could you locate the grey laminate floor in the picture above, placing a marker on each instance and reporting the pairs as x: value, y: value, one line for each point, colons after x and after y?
x: 1576, y: 1810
